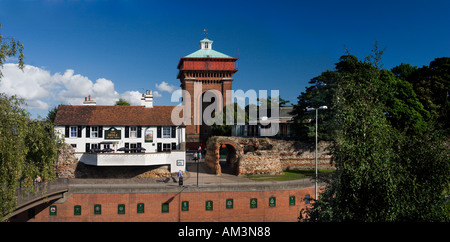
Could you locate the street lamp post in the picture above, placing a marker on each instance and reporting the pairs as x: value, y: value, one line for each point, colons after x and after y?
x: 315, y: 153
x: 197, y: 161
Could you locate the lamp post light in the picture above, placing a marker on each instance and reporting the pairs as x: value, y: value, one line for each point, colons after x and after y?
x: 197, y: 161
x: 315, y: 153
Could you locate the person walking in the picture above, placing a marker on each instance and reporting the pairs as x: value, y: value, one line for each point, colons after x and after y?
x: 180, y: 178
x: 195, y: 156
x: 37, y: 182
x: 199, y: 152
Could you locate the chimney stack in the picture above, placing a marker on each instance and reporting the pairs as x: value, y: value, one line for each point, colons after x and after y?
x: 147, y: 99
x: 88, y: 101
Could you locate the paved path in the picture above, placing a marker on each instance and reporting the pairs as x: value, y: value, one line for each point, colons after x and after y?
x: 206, y: 179
x: 206, y: 176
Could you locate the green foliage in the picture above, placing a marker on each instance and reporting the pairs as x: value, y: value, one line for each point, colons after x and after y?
x: 9, y: 47
x: 402, y: 106
x: 224, y: 129
x: 27, y: 148
x: 52, y: 114
x: 42, y: 144
x: 321, y: 93
x: 431, y: 84
x: 13, y: 130
x: 122, y: 102
x: 384, y: 172
x: 425, y: 175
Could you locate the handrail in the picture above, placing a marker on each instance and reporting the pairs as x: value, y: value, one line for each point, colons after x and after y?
x: 27, y: 195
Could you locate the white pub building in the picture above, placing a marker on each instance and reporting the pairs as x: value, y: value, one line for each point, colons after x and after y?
x: 107, y: 135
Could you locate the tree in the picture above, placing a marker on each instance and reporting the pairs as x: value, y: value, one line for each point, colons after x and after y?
x: 431, y: 84
x: 27, y: 147
x: 42, y: 147
x: 401, y: 104
x: 321, y: 93
x: 403, y: 108
x: 224, y: 129
x: 122, y: 102
x: 382, y: 172
x: 52, y: 114
x: 9, y: 47
x: 13, y: 129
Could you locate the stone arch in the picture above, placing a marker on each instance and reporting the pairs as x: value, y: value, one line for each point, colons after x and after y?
x: 213, y: 154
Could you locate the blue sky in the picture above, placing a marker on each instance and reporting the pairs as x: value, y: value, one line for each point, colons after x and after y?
x: 112, y: 49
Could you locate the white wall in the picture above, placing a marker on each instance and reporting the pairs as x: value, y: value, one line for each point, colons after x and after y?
x: 119, y: 158
x: 136, y: 159
x: 150, y: 147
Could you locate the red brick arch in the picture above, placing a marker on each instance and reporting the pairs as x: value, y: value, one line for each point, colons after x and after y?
x: 213, y: 154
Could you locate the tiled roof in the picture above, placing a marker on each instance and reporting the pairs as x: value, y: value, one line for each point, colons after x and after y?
x: 114, y: 115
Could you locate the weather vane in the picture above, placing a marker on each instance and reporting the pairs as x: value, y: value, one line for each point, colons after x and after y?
x: 205, y: 32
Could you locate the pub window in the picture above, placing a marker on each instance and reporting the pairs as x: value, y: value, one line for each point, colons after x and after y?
x: 94, y: 132
x: 166, y: 147
x: 73, y: 131
x: 166, y: 132
x: 133, y: 130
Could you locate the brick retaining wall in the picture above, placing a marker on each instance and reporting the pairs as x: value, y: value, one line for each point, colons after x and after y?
x: 281, y: 210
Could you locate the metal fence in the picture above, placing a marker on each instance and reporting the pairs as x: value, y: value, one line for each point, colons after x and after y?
x: 27, y: 194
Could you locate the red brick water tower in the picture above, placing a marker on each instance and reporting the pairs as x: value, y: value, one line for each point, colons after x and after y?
x: 214, y: 71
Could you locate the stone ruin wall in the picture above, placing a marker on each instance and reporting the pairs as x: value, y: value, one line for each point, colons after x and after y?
x: 269, y: 156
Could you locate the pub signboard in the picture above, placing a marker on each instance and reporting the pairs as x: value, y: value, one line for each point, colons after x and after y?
x: 112, y: 133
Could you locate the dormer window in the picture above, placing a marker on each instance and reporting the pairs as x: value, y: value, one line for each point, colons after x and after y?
x: 206, y: 44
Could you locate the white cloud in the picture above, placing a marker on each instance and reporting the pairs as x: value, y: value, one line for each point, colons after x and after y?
x: 42, y: 90
x: 156, y: 94
x: 165, y: 87
x: 31, y: 83
x: 133, y: 97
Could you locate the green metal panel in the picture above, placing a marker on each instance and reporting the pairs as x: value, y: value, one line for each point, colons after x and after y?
x: 77, y: 210
x: 272, y: 201
x: 121, y: 209
x: 52, y: 210
x: 209, y: 205
x: 97, y: 209
x: 185, y: 206
x: 140, y: 208
x: 253, y: 203
x: 165, y: 208
x: 229, y: 203
x: 291, y: 200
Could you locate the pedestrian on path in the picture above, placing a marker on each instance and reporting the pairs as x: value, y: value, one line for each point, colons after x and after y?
x: 180, y: 178
x: 180, y: 174
x: 37, y: 182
